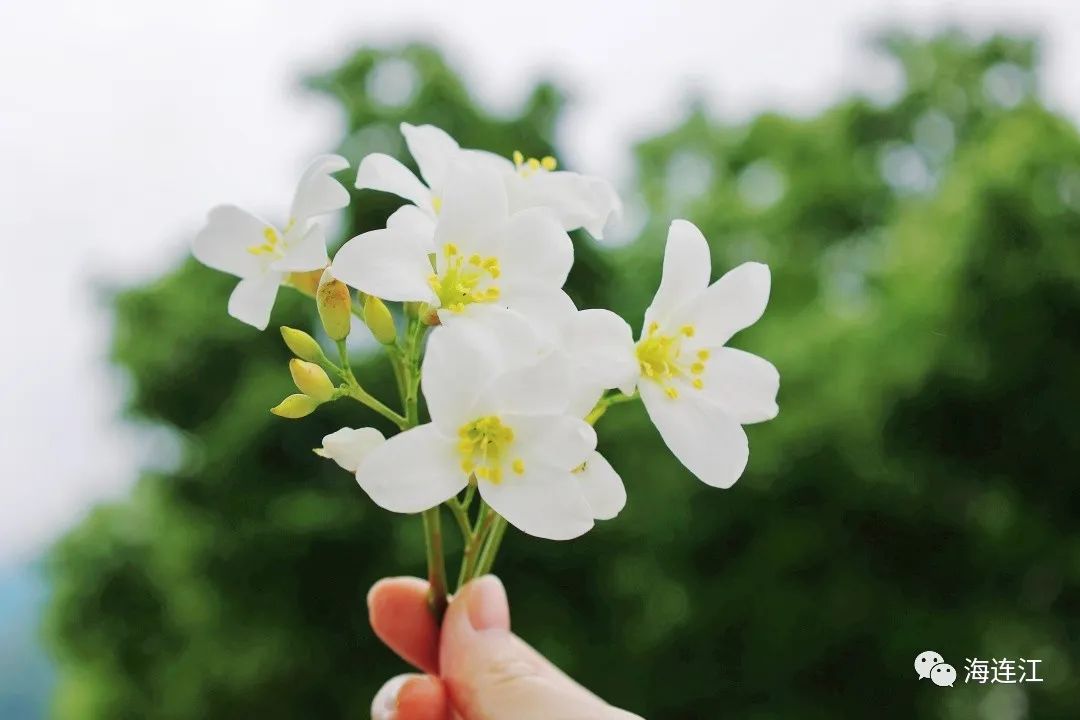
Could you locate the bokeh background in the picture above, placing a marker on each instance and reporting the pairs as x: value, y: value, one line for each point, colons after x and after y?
x: 168, y: 549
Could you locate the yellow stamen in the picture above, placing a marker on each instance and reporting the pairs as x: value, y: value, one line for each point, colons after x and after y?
x: 463, y: 281
x: 483, y: 445
x: 271, y: 246
x: 663, y: 359
x: 549, y: 163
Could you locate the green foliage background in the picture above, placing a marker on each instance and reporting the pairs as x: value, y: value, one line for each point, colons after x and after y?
x: 918, y: 490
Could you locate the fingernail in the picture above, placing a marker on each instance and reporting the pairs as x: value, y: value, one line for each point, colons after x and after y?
x: 385, y: 704
x: 488, y: 608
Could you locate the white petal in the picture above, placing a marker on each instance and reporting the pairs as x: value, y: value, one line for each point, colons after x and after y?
x: 541, y: 387
x: 744, y: 385
x: 536, y: 250
x: 433, y: 150
x: 490, y: 160
x: 306, y: 252
x: 576, y: 200
x: 602, y: 487
x: 546, y: 308
x: 253, y: 299
x: 385, y: 264
x: 687, y: 266
x: 473, y: 210
x: 318, y: 193
x: 413, y: 471
x: 601, y: 346
x: 709, y: 442
x: 382, y: 172
x: 224, y: 241
x: 459, y: 362
x: 545, y: 502
x: 348, y: 447
x: 558, y: 440
x: 583, y: 397
x: 730, y: 304
x: 414, y: 222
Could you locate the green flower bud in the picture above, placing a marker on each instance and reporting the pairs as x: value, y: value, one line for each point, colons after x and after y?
x: 295, y: 407
x: 335, y: 306
x: 379, y: 320
x: 311, y: 380
x: 302, y: 345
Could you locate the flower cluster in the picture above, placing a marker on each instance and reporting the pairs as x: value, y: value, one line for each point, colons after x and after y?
x: 513, y: 374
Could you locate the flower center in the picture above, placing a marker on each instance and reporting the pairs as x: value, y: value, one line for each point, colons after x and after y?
x: 464, y: 281
x: 661, y: 359
x: 527, y: 167
x: 272, y: 244
x: 484, y: 446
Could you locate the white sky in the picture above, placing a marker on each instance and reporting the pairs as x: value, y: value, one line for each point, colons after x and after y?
x: 123, y: 121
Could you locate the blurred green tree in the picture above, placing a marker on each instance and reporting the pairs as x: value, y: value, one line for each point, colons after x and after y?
x: 913, y: 494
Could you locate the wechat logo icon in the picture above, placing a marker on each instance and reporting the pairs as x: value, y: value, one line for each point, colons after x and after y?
x: 929, y: 665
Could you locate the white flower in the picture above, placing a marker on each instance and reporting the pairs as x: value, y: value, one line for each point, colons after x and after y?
x: 484, y: 256
x: 261, y: 255
x: 602, y: 487
x: 497, y: 400
x: 697, y: 392
x: 593, y: 342
x: 576, y: 200
x: 348, y: 447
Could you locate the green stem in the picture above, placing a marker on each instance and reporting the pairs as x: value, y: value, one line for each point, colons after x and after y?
x: 471, y: 556
x: 605, y: 402
x: 469, y: 493
x: 461, y: 516
x: 397, y: 362
x: 437, y: 600
x: 343, y: 353
x: 487, y: 557
x: 361, y: 395
x: 408, y: 383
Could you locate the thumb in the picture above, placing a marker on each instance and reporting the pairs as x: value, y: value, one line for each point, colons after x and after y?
x: 491, y: 674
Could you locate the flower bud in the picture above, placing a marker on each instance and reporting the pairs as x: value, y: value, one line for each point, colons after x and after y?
x: 302, y: 345
x: 429, y: 316
x: 311, y: 380
x: 295, y: 407
x: 335, y: 306
x: 306, y: 282
x: 379, y: 320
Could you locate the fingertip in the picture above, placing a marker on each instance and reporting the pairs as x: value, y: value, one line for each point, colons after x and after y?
x: 422, y: 697
x: 486, y: 604
x: 399, y: 615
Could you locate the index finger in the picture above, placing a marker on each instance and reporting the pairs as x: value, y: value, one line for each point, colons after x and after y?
x: 399, y: 615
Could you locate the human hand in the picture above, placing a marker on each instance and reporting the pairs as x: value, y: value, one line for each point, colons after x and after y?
x: 476, y: 668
